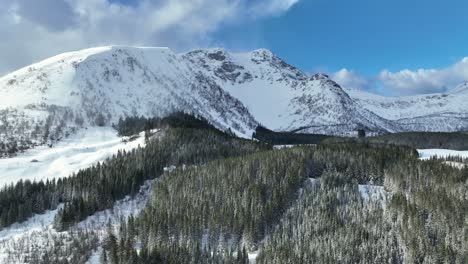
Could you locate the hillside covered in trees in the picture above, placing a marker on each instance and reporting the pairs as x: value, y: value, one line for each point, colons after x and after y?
x: 220, y: 199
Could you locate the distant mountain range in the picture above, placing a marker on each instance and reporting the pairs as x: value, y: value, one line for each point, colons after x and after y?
x: 46, y: 101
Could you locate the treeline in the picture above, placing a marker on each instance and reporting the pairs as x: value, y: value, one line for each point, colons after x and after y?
x: 425, y: 140
x: 286, y: 138
x: 417, y: 140
x: 366, y: 163
x: 98, y: 187
x: 24, y: 199
x: 133, y: 125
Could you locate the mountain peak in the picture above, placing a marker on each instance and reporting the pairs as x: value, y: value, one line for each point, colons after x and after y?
x: 262, y: 53
x: 216, y: 54
x: 320, y: 76
x: 327, y: 82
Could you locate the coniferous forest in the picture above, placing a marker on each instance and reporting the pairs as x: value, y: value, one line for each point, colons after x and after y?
x: 225, y: 200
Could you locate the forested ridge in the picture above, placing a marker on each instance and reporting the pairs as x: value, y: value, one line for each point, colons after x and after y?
x: 425, y: 140
x: 98, y: 187
x: 326, y: 222
x: 224, y: 198
x: 332, y: 223
x: 417, y: 140
x: 133, y: 125
x: 287, y: 138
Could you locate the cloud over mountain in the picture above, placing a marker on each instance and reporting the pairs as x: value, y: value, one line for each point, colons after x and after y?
x: 33, y: 30
x: 407, y: 82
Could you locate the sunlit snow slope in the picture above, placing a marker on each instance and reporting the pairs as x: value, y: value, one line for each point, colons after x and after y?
x: 76, y: 152
x: 430, y: 112
x: 282, y: 97
x: 441, y: 153
x: 46, y: 101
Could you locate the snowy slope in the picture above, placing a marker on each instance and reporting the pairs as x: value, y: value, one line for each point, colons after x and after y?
x: 44, y: 82
x: 37, y: 233
x: 258, y: 79
x: 281, y: 97
x: 441, y: 153
x: 432, y: 112
x: 79, y: 151
x: 323, y: 106
x: 374, y: 193
x: 116, y: 81
x: 45, y: 101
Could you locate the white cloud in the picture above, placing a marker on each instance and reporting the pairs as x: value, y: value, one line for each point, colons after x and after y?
x: 351, y: 79
x: 33, y: 30
x: 425, y: 80
x: 272, y: 6
x: 407, y: 82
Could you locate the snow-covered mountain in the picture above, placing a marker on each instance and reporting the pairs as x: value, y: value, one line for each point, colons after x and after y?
x: 60, y: 95
x: 238, y: 91
x: 431, y: 112
x: 281, y: 97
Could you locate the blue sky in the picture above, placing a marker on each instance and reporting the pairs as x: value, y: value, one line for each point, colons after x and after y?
x: 390, y: 47
x: 363, y: 35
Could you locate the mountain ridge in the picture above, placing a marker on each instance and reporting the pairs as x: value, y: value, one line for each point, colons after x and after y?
x: 50, y: 99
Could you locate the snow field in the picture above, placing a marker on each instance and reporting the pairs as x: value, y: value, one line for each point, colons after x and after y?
x: 425, y: 154
x: 79, y: 151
